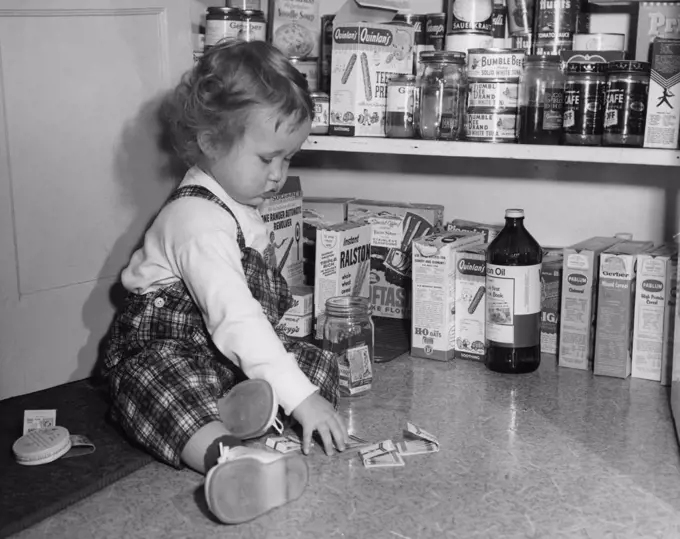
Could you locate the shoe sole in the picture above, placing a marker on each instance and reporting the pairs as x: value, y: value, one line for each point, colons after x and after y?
x: 248, y: 410
x: 244, y: 489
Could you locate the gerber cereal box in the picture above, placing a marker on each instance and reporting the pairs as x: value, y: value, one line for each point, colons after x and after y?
x: 470, y: 302
x: 580, y: 272
x: 653, y: 324
x: 295, y: 27
x: 551, y: 289
x: 394, y: 226
x: 489, y: 231
x: 318, y: 212
x: 282, y: 214
x: 343, y: 259
x: 365, y: 56
x: 435, y: 298
x: 616, y: 296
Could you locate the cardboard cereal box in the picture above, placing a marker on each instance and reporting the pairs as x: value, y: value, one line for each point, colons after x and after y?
x: 580, y: 273
x: 433, y: 320
x: 615, y: 303
x: 283, y: 216
x: 318, y: 212
x: 489, y: 231
x: 655, y: 19
x: 343, y: 261
x: 365, y: 56
x: 654, y: 313
x: 394, y: 226
x: 551, y: 289
x: 663, y: 102
x: 295, y: 27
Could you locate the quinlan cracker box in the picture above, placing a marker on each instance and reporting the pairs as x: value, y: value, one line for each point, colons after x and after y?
x: 435, y: 306
x: 282, y: 214
x: 615, y: 303
x: 365, y: 56
x: 580, y: 273
x: 394, y: 226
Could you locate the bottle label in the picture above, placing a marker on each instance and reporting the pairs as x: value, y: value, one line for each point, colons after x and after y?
x: 513, y: 305
x: 583, y: 107
x: 554, y: 102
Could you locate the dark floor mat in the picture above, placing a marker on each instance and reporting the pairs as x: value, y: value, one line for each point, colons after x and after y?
x: 29, y: 494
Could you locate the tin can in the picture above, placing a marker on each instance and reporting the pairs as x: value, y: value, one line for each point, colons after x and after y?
x: 488, y: 125
x: 309, y: 67
x: 496, y: 95
x: 469, y: 17
x: 254, y: 5
x: 584, y: 93
x: 495, y: 64
x: 553, y: 46
x: 625, y: 113
x: 254, y: 26
x: 555, y: 25
x: 500, y: 13
x: 320, y: 121
x: 325, y: 61
x: 464, y: 42
x: 520, y: 17
x: 435, y: 30
x: 222, y: 23
x: 523, y: 42
x: 420, y: 39
x: 399, y: 119
x: 599, y: 42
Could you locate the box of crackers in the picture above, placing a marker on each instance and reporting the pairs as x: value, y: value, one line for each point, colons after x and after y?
x: 365, y: 56
x: 436, y: 261
x: 282, y: 214
x: 343, y: 261
x: 394, y: 226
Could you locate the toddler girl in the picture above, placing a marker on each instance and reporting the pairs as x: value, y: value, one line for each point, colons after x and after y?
x: 193, y: 360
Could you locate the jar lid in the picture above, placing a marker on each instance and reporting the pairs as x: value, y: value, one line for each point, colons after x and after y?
x: 42, y: 446
x: 629, y: 66
x: 347, y: 306
x: 444, y: 57
x: 318, y: 95
x: 586, y: 67
x: 514, y: 213
x: 401, y: 77
x: 253, y: 12
x: 542, y: 59
x: 223, y: 10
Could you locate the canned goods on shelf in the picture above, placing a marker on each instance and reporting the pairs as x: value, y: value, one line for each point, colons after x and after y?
x: 254, y: 5
x: 523, y: 42
x: 469, y: 16
x: 625, y: 115
x: 254, y: 26
x: 584, y: 92
x: 435, y: 30
x: 418, y: 22
x: 552, y: 46
x: 520, y: 17
x: 488, y: 125
x: 325, y: 60
x: 222, y: 23
x: 497, y: 95
x: 495, y: 64
x: 320, y: 122
x: 309, y: 67
x: 599, y: 42
x: 465, y: 42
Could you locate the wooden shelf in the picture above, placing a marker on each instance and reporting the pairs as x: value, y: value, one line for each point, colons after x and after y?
x: 574, y: 154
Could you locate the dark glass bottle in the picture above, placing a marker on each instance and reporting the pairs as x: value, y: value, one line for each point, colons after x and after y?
x: 513, y: 298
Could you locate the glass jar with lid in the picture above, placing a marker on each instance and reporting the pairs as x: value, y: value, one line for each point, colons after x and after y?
x: 348, y: 332
x: 401, y: 93
x: 541, y: 100
x: 584, y: 92
x: 443, y: 95
x: 625, y: 113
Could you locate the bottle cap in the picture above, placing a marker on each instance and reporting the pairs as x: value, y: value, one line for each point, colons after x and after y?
x: 514, y: 213
x: 42, y: 446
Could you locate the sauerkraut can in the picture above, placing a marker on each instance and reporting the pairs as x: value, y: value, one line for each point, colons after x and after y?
x: 495, y: 64
x: 470, y: 17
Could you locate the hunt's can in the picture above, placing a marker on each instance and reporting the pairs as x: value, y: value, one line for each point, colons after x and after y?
x: 309, y: 67
x: 523, y: 42
x: 497, y: 95
x: 254, y: 26
x: 435, y: 30
x: 222, y: 23
x: 489, y: 125
x: 495, y: 64
x: 326, y: 53
x: 555, y: 24
x: 552, y: 46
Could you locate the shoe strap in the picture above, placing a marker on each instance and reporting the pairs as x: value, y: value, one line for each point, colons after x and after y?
x: 278, y: 426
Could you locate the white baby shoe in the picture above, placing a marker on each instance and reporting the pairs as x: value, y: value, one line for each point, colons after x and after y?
x: 249, y: 410
x: 248, y: 482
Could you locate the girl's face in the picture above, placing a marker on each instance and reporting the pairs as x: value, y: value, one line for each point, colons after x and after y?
x: 255, y: 168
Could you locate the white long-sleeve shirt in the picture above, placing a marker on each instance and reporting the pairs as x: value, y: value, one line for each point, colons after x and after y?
x: 194, y: 240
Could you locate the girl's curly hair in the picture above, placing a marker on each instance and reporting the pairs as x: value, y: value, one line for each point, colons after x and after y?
x: 227, y: 83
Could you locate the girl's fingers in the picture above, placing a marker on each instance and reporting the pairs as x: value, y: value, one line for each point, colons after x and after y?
x: 306, y: 439
x: 326, y: 438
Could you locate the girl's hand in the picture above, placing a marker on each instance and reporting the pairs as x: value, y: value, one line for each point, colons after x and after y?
x: 317, y: 414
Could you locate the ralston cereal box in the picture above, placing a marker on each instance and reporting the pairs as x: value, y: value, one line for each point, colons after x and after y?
x: 394, y: 226
x: 615, y: 303
x: 580, y: 272
x: 282, y: 214
x: 551, y: 289
x: 489, y: 231
x: 365, y: 56
x: 435, y: 260
x: 343, y: 261
x: 663, y: 102
x: 470, y: 303
x: 318, y: 212
x: 655, y: 19
x: 295, y: 27
x: 654, y: 312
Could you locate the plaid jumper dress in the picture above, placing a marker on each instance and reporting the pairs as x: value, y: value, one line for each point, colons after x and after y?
x: 165, y: 372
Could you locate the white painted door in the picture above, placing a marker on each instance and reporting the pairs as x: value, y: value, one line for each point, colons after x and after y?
x: 81, y: 172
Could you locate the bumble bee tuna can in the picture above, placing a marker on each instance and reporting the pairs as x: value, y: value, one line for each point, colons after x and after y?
x: 489, y: 125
